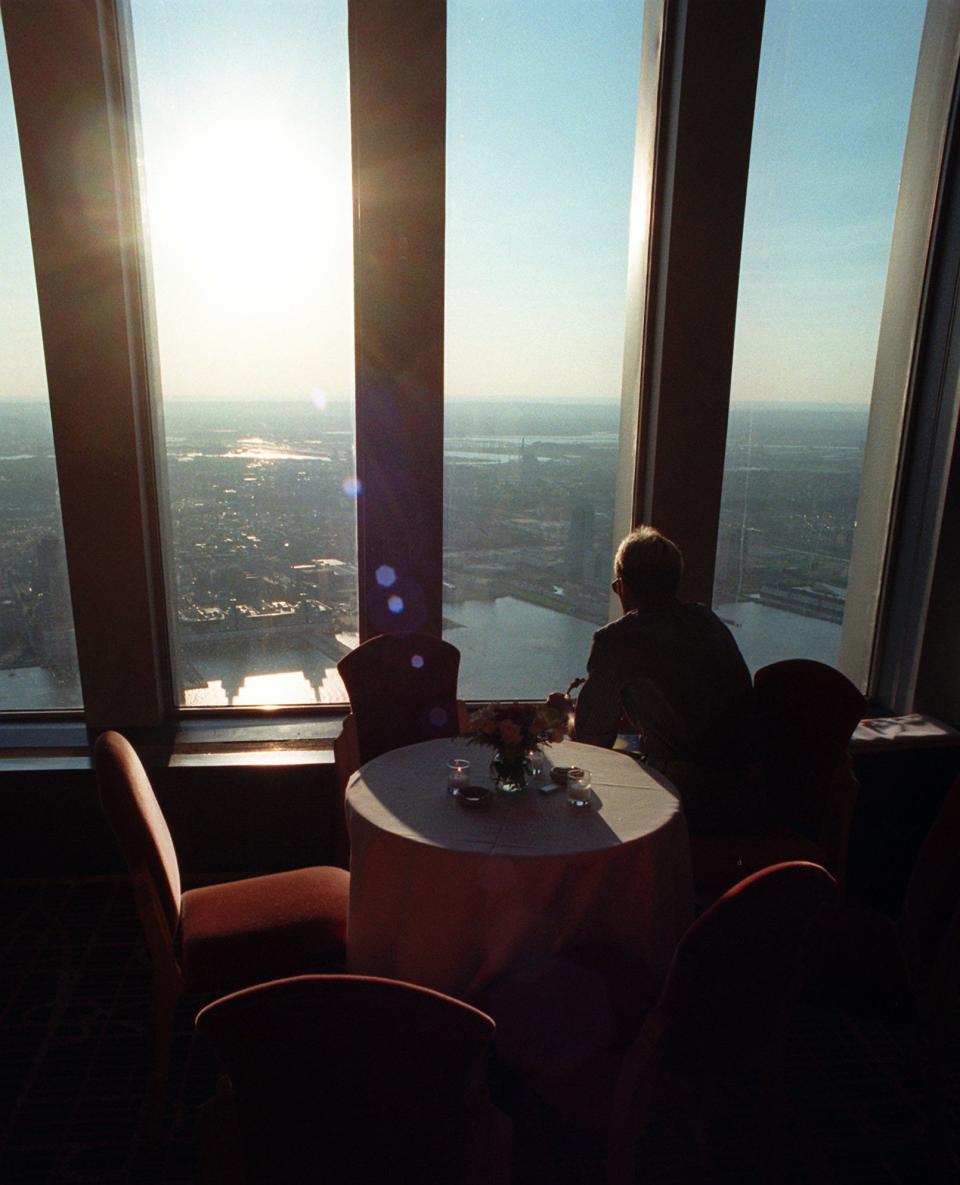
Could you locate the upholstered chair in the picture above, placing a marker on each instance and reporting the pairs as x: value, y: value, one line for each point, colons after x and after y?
x: 350, y: 1078
x: 402, y: 689
x: 724, y: 1008
x: 216, y: 938
x: 720, y: 1017
x: 806, y: 714
x: 868, y: 963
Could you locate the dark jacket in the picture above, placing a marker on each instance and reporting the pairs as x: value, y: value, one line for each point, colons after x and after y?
x: 676, y: 673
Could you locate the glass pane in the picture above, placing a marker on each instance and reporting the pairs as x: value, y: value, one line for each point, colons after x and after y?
x: 834, y: 95
x: 540, y: 141
x: 38, y: 654
x: 246, y: 147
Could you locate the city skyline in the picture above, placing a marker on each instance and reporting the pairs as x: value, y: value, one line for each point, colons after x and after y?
x: 262, y: 549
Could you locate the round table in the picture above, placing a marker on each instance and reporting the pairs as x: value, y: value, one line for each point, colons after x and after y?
x: 448, y: 896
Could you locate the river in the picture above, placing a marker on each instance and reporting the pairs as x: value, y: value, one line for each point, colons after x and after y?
x: 509, y: 648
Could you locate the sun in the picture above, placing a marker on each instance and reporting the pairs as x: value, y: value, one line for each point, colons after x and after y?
x: 246, y: 200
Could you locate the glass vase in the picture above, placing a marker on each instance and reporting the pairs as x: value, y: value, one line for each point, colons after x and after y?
x: 509, y: 771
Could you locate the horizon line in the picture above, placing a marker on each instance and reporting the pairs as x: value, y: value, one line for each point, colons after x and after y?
x: 505, y: 401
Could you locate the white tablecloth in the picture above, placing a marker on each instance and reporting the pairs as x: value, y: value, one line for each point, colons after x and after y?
x: 448, y: 896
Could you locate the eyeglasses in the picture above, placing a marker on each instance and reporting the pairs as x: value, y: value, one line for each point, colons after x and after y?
x: 615, y: 586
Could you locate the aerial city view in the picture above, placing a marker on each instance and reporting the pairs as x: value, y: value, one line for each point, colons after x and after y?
x: 255, y: 341
x: 263, y: 544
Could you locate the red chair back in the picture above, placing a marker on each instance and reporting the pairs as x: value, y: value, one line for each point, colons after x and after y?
x: 933, y: 891
x: 135, y: 816
x: 807, y: 712
x: 723, y: 1009
x: 351, y: 1078
x: 402, y: 689
x: 726, y: 995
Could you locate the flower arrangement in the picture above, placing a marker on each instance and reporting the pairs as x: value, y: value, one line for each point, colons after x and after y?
x: 514, y: 729
x: 518, y: 726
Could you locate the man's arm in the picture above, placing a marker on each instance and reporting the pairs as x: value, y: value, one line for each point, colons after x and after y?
x: 598, y: 704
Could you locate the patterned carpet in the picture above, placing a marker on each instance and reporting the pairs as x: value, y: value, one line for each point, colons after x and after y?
x: 74, y: 990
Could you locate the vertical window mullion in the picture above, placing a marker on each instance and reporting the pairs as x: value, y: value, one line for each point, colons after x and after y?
x: 398, y: 104
x: 643, y: 220
x: 706, y: 94
x: 65, y: 64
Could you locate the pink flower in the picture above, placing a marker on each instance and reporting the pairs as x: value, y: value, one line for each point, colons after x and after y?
x: 520, y: 726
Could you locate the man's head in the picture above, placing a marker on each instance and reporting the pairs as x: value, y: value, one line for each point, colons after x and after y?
x: 647, y: 568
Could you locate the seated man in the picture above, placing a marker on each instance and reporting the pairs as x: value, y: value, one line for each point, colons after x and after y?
x: 675, y: 672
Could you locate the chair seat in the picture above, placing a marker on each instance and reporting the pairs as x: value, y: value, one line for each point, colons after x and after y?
x: 721, y: 859
x: 244, y: 932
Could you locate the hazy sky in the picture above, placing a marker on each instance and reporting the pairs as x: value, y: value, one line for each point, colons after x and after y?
x: 244, y: 107
x: 834, y: 93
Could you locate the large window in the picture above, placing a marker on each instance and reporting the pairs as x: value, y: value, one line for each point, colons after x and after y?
x: 833, y: 100
x: 38, y: 657
x: 541, y: 118
x: 362, y: 316
x: 245, y: 125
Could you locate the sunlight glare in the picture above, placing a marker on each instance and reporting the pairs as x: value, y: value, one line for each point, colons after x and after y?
x: 242, y: 196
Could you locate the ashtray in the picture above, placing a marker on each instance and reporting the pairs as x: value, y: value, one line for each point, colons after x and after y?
x: 474, y: 795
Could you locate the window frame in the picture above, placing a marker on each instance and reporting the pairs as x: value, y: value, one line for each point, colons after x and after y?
x: 398, y: 123
x: 68, y: 67
x: 698, y: 108
x: 912, y: 421
x: 73, y: 70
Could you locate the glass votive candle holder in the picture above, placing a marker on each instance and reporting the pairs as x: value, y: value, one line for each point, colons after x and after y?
x: 458, y: 775
x: 578, y: 786
x: 535, y: 762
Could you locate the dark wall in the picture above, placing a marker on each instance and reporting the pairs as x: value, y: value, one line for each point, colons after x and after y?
x: 901, y: 792
x: 240, y: 820
x: 938, y: 680
x: 246, y: 820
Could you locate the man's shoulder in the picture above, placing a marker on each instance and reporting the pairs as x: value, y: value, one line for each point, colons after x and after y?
x: 656, y: 621
x: 615, y: 630
x: 628, y: 635
x: 695, y: 611
x: 716, y: 638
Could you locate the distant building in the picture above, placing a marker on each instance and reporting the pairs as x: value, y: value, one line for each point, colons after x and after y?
x: 580, y: 535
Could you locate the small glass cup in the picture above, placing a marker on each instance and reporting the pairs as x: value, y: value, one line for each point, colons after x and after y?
x: 535, y: 762
x: 458, y: 775
x: 578, y: 787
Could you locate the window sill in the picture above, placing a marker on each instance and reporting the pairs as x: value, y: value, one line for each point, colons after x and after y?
x: 217, y: 742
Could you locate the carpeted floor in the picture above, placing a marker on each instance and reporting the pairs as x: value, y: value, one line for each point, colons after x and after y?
x: 74, y: 992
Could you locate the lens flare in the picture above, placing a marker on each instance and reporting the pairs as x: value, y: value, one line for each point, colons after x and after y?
x: 386, y: 576
x: 395, y: 604
x: 352, y: 486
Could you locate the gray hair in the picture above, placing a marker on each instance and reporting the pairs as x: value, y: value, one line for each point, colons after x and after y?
x: 649, y: 564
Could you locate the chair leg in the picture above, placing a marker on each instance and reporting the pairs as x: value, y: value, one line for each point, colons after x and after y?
x: 772, y: 1115
x: 164, y: 1005
x: 219, y: 1139
x: 630, y: 1110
